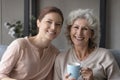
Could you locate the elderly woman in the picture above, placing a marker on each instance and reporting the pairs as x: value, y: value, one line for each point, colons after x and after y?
x: 83, y: 33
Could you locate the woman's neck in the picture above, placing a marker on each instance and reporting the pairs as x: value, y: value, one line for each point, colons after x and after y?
x: 39, y: 42
x: 82, y: 53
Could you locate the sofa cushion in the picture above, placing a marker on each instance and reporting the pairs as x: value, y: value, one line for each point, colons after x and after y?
x: 116, y: 54
x: 2, y: 49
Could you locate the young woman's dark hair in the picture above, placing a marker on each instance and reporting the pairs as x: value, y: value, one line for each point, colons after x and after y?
x: 49, y: 9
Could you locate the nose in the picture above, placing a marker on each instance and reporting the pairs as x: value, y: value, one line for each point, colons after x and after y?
x: 79, y: 32
x: 53, y: 26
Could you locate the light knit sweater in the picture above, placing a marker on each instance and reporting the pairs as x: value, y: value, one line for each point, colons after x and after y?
x: 101, y: 62
x: 22, y: 61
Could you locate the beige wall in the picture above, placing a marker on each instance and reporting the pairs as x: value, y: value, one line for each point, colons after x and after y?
x: 11, y: 10
x: 113, y: 24
x: 0, y: 20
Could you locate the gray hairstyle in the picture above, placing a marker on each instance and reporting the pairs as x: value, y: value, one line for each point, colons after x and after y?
x: 92, y: 21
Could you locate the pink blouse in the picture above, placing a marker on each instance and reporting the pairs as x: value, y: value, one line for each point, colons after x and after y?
x: 22, y: 61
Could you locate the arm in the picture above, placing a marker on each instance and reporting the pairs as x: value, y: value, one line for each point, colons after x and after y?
x: 57, y: 70
x: 112, y: 69
x: 8, y: 60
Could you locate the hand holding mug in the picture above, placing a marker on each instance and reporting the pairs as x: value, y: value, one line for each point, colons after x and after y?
x: 67, y: 77
x: 87, y: 73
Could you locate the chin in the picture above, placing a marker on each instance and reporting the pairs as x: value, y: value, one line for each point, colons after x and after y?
x: 77, y: 44
x: 51, y: 38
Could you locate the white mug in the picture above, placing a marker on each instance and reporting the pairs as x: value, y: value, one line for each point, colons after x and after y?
x: 74, y: 70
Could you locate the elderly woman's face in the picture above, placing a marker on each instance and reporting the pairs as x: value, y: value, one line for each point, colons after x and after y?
x: 80, y: 32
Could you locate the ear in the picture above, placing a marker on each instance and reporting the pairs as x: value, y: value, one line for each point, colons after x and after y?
x: 38, y: 23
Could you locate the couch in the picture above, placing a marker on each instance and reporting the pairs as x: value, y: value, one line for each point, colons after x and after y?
x: 116, y: 53
x: 2, y: 49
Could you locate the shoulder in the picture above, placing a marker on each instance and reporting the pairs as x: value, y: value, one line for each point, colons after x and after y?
x: 53, y: 47
x: 63, y: 58
x: 15, y: 48
x: 53, y: 50
x: 105, y: 54
x: 18, y: 43
x: 63, y: 55
x: 103, y: 51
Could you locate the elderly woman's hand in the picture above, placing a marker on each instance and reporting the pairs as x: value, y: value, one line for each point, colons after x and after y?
x: 67, y: 77
x: 87, y: 74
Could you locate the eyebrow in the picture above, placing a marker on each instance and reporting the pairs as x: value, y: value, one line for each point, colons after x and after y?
x: 57, y: 22
x: 78, y: 25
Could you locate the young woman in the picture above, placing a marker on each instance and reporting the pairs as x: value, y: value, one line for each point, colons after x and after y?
x: 32, y: 58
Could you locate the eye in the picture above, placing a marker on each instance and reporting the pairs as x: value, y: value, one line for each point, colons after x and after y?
x: 50, y: 22
x: 85, y: 28
x: 75, y: 27
x: 58, y: 24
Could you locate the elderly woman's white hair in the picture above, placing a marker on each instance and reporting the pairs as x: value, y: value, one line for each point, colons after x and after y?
x: 92, y: 21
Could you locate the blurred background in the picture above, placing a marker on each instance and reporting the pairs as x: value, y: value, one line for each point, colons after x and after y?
x: 22, y: 10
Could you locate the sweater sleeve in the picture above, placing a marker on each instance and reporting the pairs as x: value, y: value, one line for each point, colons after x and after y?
x: 9, y: 59
x: 58, y: 67
x: 111, y: 67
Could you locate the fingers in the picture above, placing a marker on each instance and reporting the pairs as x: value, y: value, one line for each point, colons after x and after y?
x: 67, y: 77
x: 86, y: 70
x: 86, y: 73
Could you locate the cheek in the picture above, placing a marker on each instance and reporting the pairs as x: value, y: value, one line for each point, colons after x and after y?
x: 42, y: 26
x: 88, y: 35
x: 71, y: 35
x: 59, y: 29
x: 72, y: 31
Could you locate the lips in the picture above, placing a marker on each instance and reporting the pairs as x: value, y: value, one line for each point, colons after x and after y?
x: 79, y: 38
x: 52, y: 32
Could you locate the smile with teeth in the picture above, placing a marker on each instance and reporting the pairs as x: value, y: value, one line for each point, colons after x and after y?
x: 79, y: 38
x: 52, y: 32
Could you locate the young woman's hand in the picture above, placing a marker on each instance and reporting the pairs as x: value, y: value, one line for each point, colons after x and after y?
x: 87, y: 74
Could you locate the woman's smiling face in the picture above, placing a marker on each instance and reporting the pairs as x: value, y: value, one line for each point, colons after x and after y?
x: 50, y: 26
x: 80, y: 33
